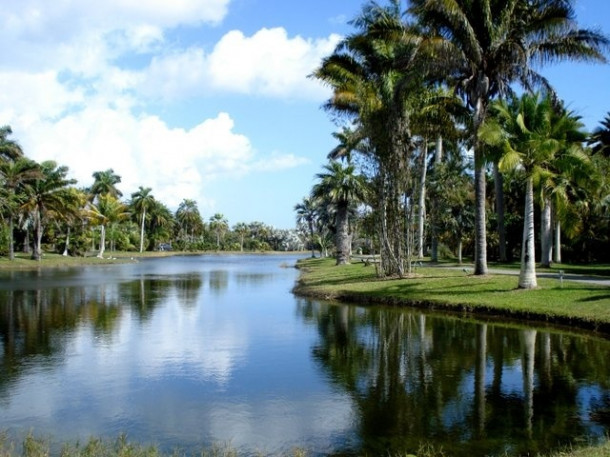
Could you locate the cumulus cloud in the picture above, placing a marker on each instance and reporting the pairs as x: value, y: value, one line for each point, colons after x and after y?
x: 269, y: 62
x: 177, y: 163
x: 80, y: 81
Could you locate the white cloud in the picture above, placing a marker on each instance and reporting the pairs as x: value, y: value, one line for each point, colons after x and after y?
x: 268, y: 63
x: 26, y: 97
x: 84, y: 36
x: 78, y: 81
x: 175, y: 162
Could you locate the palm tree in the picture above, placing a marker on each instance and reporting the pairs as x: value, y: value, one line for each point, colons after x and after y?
x: 340, y: 186
x: 307, y: 215
x: 74, y: 212
x: 600, y: 138
x: 241, y: 229
x: 161, y: 223
x: 533, y: 135
x: 141, y: 200
x: 105, y: 184
x: 188, y: 218
x: 220, y: 225
x: 108, y: 210
x: 15, y: 175
x: 373, y: 75
x: 9, y: 149
x: 48, y: 196
x: 483, y: 47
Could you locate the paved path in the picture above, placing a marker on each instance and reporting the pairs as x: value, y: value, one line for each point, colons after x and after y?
x: 588, y: 279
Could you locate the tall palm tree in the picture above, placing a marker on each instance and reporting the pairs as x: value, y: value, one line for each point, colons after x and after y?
x: 532, y: 135
x: 340, y: 186
x: 220, y: 225
x: 241, y: 229
x: 483, y: 47
x: 161, y: 222
x: 307, y: 214
x: 9, y: 149
x: 141, y: 200
x: 15, y: 176
x: 105, y: 184
x: 48, y: 196
x: 373, y: 75
x: 108, y: 210
x: 73, y: 213
x: 600, y: 137
x: 188, y: 218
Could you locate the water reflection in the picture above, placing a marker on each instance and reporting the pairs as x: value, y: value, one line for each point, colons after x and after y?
x: 473, y: 388
x: 189, y: 351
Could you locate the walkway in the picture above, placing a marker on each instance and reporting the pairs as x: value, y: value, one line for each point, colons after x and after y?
x: 588, y: 279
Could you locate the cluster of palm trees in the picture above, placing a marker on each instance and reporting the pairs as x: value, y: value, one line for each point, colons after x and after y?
x: 442, y: 76
x: 41, y: 207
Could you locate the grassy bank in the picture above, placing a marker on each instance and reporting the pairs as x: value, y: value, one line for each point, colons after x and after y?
x: 562, y: 302
x: 52, y: 260
x: 121, y: 447
x: 24, y: 262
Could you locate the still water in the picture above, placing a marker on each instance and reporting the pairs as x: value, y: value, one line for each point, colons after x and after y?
x: 185, y: 352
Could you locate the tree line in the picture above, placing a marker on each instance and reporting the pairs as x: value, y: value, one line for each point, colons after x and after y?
x: 452, y: 142
x: 43, y: 210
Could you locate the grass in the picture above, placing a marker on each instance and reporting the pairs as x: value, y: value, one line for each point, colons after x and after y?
x: 576, y: 304
x: 95, y: 447
x: 52, y: 260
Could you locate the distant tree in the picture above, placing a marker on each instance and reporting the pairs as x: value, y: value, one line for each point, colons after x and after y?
x: 108, y: 210
x: 219, y: 225
x: 340, y: 186
x: 105, y: 184
x: 241, y: 230
x: 9, y: 149
x: 48, y: 196
x: 189, y: 219
x: 307, y: 214
x: 15, y: 177
x: 142, y: 200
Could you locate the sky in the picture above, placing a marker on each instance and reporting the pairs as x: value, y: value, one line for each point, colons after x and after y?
x: 207, y: 100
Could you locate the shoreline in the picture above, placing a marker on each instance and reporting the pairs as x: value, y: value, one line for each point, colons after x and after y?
x: 23, y: 262
x: 590, y: 311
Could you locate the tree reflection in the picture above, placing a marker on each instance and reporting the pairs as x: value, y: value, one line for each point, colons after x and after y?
x: 416, y: 378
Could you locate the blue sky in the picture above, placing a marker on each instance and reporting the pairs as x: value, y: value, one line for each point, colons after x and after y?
x: 201, y: 99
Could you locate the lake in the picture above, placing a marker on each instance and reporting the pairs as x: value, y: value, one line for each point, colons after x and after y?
x: 189, y: 351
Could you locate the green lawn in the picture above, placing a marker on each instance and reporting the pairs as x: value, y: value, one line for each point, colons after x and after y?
x: 571, y: 303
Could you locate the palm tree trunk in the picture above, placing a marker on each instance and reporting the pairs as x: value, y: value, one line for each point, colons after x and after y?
x: 460, y: 249
x: 421, y: 207
x: 546, y: 234
x: 142, y: 230
x: 37, y: 252
x: 313, y: 244
x: 102, y: 241
x: 438, y: 158
x: 66, y: 247
x: 480, y: 234
x: 11, y: 238
x: 499, y: 188
x: 480, y: 229
x: 557, y: 250
x: 527, y: 275
x: 342, y: 236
